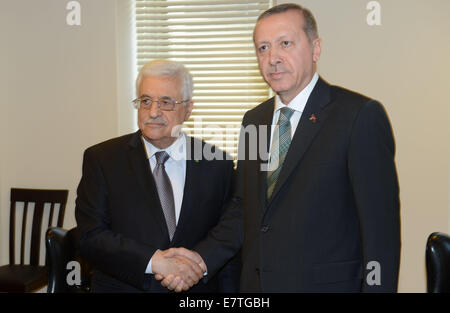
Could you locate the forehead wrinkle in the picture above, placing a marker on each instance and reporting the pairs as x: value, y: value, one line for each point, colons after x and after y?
x: 144, y: 95
x: 281, y: 25
x: 176, y: 88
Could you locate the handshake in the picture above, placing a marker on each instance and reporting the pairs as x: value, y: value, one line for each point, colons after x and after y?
x: 178, y: 268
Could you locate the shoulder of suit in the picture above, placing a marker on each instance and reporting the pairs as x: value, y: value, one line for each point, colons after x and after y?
x: 261, y: 108
x: 347, y: 99
x: 112, y: 144
x: 347, y: 95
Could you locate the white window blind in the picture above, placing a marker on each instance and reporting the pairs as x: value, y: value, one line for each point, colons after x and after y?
x: 213, y: 39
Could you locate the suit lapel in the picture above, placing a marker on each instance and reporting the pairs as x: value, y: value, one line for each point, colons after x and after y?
x: 193, y: 172
x: 142, y: 171
x: 263, y: 130
x: 312, y: 119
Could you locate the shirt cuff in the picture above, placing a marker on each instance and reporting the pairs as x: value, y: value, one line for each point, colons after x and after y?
x: 148, y: 270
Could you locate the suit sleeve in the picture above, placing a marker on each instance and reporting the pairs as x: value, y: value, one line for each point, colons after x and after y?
x: 375, y: 186
x: 224, y: 241
x: 229, y: 275
x: 108, y: 251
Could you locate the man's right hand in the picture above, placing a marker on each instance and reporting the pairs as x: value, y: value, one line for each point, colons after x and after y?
x: 180, y: 268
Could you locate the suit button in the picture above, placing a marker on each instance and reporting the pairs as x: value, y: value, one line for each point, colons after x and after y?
x: 265, y: 228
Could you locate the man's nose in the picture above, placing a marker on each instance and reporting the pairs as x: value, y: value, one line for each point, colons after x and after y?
x: 154, y: 109
x: 274, y: 56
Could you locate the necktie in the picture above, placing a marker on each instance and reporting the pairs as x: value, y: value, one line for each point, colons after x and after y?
x: 165, y: 191
x: 280, y: 145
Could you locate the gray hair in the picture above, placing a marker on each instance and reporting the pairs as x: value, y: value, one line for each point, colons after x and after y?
x: 167, y: 68
x: 310, y: 25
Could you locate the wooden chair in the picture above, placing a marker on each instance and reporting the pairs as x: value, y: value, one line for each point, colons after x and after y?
x: 26, y: 277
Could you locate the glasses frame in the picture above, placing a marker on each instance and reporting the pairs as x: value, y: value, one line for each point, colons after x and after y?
x: 137, y: 103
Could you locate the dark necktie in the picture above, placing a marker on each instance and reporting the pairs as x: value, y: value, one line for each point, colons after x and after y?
x: 280, y: 146
x: 165, y: 191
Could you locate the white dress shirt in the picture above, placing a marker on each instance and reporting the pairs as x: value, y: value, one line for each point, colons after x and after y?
x: 176, y: 170
x: 297, y: 104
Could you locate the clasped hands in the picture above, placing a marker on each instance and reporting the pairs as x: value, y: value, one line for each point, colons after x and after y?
x: 178, y: 268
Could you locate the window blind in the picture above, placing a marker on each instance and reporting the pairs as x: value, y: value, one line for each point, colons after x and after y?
x: 213, y: 39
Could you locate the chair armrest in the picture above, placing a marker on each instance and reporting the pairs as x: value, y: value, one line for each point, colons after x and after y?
x: 56, y: 242
x: 438, y: 263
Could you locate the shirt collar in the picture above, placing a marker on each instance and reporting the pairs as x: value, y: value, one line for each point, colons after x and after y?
x: 299, y: 102
x: 176, y: 151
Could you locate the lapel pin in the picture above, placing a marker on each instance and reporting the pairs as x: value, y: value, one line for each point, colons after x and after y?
x: 313, y: 118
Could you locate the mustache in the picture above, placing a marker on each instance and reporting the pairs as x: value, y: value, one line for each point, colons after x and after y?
x: 156, y: 120
x: 275, y: 69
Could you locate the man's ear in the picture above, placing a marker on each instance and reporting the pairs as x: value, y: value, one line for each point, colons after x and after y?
x: 316, y: 49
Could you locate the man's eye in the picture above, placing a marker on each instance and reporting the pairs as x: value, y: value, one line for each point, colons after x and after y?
x: 263, y: 48
x: 286, y: 43
x: 146, y: 101
x: 165, y: 101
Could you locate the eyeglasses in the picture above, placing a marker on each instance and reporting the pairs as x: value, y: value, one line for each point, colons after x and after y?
x: 164, y: 103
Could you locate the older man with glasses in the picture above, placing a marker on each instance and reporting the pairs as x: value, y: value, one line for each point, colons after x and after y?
x: 143, y: 193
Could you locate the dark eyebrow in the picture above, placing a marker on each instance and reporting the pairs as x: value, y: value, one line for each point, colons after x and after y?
x: 145, y: 95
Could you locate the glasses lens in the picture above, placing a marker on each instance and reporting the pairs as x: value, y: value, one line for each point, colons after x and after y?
x: 146, y: 102
x: 166, y: 104
x: 136, y: 103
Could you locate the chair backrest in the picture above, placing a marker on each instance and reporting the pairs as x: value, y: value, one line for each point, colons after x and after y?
x: 438, y: 263
x: 39, y: 197
x: 62, y: 249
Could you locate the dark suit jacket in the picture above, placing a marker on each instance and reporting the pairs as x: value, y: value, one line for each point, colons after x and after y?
x: 120, y: 222
x: 335, y: 207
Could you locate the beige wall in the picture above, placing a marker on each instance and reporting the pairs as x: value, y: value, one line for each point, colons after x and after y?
x: 126, y: 65
x: 59, y: 94
x: 405, y: 64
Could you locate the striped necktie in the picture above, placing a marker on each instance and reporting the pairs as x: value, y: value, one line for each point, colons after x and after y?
x: 165, y: 191
x: 280, y: 145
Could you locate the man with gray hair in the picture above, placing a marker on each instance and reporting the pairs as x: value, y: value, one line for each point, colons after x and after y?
x: 143, y: 193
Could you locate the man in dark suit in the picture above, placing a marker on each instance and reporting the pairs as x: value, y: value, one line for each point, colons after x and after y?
x: 325, y: 217
x: 143, y: 193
